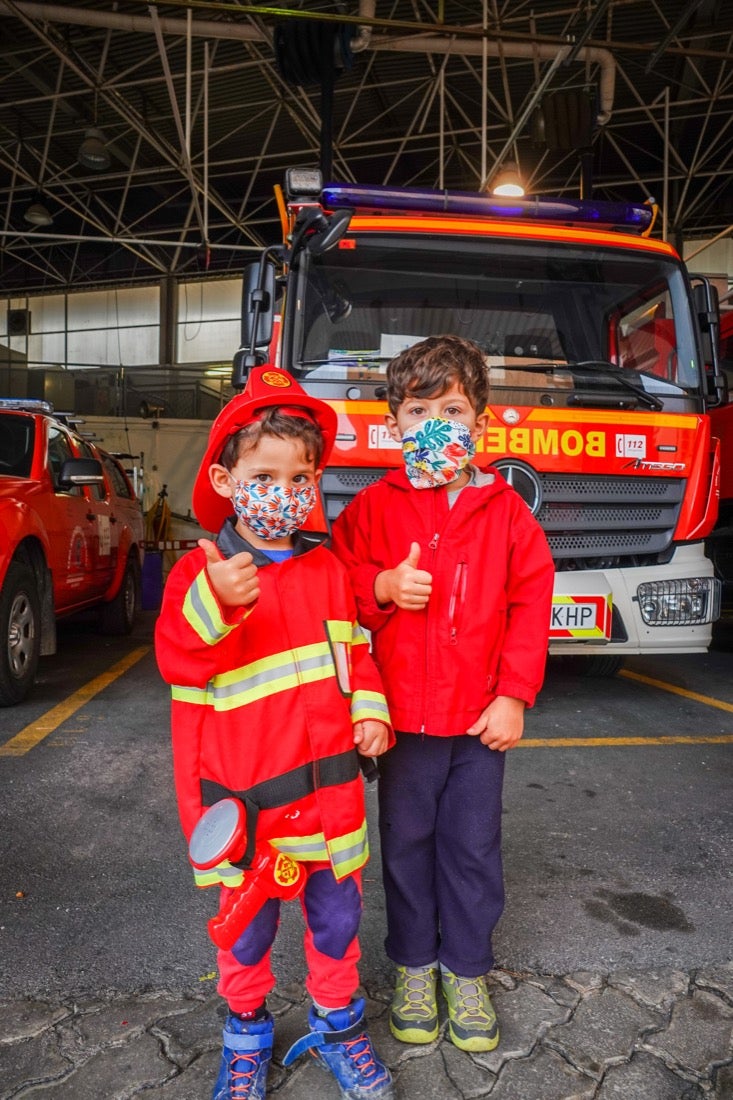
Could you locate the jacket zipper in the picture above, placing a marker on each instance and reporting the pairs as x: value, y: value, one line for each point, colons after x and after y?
x: 432, y: 545
x: 457, y: 600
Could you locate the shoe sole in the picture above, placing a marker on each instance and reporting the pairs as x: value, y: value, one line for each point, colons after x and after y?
x: 417, y: 1035
x: 474, y: 1043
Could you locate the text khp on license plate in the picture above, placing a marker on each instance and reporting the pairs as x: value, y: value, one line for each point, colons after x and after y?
x: 583, y: 617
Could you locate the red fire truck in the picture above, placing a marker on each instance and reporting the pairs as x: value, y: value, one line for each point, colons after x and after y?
x: 602, y: 358
x: 720, y: 543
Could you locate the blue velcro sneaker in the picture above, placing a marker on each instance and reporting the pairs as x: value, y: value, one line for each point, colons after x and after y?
x: 340, y: 1043
x: 245, y: 1059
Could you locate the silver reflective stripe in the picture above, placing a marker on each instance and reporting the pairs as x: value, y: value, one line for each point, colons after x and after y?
x: 270, y: 676
x: 197, y: 603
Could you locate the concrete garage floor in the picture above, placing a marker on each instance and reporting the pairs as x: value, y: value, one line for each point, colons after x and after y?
x: 614, y: 979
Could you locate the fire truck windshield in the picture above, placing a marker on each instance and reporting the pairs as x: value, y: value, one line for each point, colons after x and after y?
x: 597, y: 324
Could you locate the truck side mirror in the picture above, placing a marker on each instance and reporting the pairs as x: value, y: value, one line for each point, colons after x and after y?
x: 80, y: 471
x: 325, y: 239
x: 257, y: 318
x: 707, y: 309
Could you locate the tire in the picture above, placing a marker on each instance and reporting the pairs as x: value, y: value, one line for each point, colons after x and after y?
x: 20, y: 634
x: 598, y: 666
x: 118, y: 616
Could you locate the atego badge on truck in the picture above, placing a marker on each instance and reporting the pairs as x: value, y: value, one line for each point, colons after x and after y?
x: 599, y: 348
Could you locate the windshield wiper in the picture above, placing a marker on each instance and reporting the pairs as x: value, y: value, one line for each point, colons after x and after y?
x: 347, y: 357
x: 595, y: 367
x: 533, y: 368
x: 618, y: 374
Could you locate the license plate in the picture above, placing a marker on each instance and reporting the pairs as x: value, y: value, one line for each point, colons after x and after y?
x: 581, y: 616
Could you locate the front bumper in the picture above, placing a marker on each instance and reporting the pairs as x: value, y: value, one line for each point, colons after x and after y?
x: 663, y: 598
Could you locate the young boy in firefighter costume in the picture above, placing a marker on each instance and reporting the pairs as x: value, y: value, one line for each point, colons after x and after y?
x: 274, y: 696
x: 454, y: 578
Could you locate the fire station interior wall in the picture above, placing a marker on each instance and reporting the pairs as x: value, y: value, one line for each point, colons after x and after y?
x: 164, y: 452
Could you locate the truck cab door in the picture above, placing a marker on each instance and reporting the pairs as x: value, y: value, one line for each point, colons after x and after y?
x: 104, y: 536
x: 72, y: 530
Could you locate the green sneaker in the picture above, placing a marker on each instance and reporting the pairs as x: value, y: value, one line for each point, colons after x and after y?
x: 471, y: 1018
x: 413, y: 1017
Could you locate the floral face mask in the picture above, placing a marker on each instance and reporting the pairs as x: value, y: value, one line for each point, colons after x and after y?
x: 272, y: 511
x: 435, y: 451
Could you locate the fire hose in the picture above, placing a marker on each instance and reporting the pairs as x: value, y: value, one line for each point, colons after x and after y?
x: 221, y: 834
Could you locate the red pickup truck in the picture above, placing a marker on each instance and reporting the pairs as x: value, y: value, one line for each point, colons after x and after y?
x: 71, y: 538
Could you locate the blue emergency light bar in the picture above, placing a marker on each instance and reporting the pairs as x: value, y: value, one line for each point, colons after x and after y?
x: 423, y: 200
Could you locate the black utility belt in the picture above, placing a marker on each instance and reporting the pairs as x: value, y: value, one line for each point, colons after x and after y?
x: 330, y: 771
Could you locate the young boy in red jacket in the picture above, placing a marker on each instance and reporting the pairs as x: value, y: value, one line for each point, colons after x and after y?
x: 453, y: 576
x: 274, y: 695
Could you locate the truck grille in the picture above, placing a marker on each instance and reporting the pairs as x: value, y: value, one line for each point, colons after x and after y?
x: 340, y: 484
x: 608, y: 517
x: 590, y: 521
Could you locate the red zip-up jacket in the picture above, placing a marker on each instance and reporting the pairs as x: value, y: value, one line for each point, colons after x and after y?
x: 485, y: 630
x: 260, y: 692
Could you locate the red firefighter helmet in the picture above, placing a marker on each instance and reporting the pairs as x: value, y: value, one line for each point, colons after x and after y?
x: 266, y: 386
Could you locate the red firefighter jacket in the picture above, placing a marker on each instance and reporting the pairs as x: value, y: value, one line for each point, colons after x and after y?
x: 485, y: 630
x: 259, y: 692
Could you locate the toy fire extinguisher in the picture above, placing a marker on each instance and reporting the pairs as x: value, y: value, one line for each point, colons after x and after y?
x: 221, y: 834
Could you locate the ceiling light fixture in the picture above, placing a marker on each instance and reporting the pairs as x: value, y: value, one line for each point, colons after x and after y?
x: 37, y: 213
x: 93, y: 152
x: 507, y: 181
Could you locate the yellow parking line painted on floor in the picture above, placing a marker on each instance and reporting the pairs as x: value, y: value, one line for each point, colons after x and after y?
x: 708, y: 700
x: 34, y: 733
x: 617, y: 742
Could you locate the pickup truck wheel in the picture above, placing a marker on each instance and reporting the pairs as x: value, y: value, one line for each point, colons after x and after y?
x: 20, y: 634
x: 118, y: 616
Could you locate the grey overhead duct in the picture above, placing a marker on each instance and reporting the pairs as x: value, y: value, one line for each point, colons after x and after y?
x: 422, y: 43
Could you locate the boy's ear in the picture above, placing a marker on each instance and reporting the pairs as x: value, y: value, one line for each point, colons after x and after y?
x: 480, y: 426
x: 317, y: 475
x: 220, y: 480
x: 392, y: 428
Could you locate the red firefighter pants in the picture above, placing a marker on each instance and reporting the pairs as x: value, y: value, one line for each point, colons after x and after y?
x: 332, y: 911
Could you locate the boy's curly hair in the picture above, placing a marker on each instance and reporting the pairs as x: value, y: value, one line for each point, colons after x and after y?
x: 284, y: 426
x: 429, y: 368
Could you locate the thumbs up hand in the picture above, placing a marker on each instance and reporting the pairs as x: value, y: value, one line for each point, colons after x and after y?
x: 406, y: 585
x: 234, y: 580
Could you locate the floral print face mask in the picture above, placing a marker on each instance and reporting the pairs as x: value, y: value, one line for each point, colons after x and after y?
x: 272, y: 511
x: 435, y: 451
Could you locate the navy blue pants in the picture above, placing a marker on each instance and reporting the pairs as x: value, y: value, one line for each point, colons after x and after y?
x: 440, y: 829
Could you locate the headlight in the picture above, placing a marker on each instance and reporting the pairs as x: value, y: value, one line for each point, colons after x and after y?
x: 689, y: 602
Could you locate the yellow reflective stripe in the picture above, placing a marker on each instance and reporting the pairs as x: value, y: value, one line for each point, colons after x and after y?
x: 339, y: 630
x: 369, y: 704
x: 184, y: 694
x: 349, y: 852
x: 221, y: 875
x: 358, y: 637
x: 346, y: 853
x: 282, y: 671
x: 202, y: 612
x: 307, y: 849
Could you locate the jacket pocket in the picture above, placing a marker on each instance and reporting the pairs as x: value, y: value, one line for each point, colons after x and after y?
x: 339, y: 639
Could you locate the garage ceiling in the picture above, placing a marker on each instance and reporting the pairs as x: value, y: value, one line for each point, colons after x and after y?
x: 203, y: 105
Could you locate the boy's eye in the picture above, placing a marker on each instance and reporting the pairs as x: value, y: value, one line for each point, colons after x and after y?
x: 300, y: 479
x: 263, y: 479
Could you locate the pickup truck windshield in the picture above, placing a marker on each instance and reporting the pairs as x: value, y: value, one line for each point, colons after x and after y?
x: 597, y: 326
